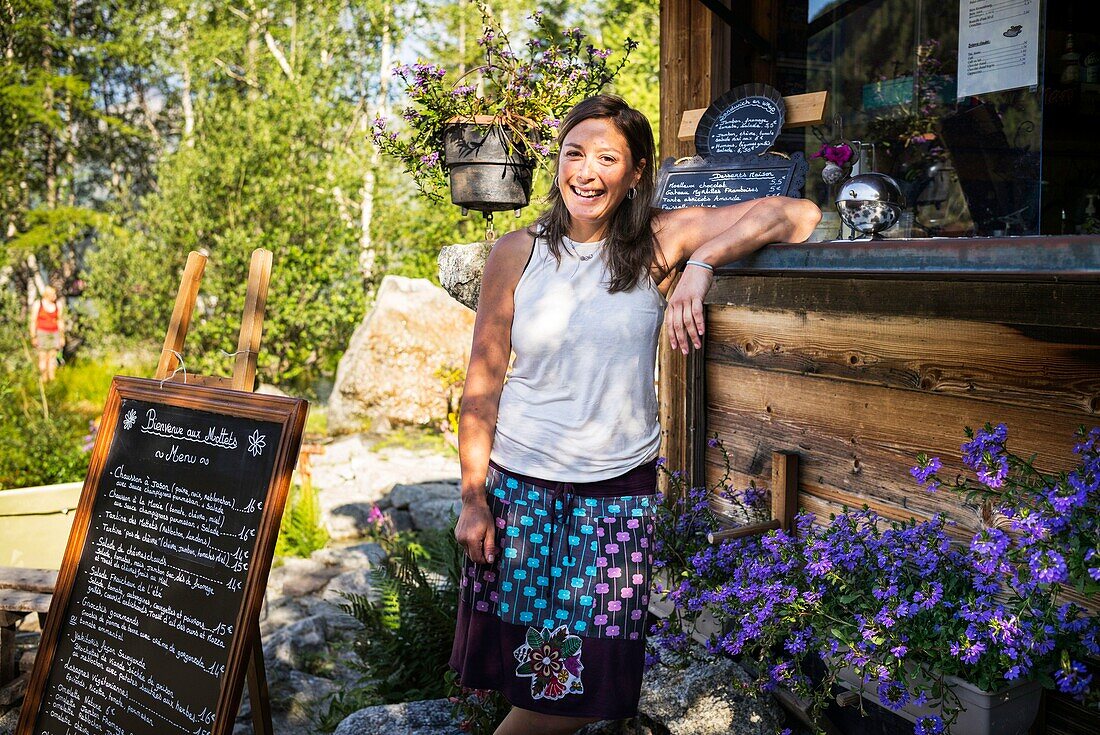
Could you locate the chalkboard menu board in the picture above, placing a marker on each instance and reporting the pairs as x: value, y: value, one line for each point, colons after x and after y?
x: 166, y: 563
x: 719, y: 180
x: 747, y: 119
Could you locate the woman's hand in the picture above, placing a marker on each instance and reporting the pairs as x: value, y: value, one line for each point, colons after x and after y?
x: 476, y: 531
x: 684, y: 314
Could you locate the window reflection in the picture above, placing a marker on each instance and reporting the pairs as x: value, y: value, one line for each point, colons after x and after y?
x: 1015, y: 162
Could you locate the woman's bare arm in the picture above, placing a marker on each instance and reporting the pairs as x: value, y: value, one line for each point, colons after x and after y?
x: 717, y: 236
x: 489, y: 355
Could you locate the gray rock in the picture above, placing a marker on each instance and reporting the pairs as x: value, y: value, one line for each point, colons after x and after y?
x: 402, y: 519
x: 429, y: 717
x: 364, y: 555
x: 407, y: 496
x: 302, y: 698
x: 705, y: 699
x: 302, y: 577
x: 295, y: 644
x: 351, y: 477
x: 8, y: 721
x: 615, y: 727
x: 437, y: 514
x: 388, y: 374
x: 460, y: 270
x: 356, y: 582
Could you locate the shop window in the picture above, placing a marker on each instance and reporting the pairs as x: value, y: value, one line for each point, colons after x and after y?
x: 1018, y: 153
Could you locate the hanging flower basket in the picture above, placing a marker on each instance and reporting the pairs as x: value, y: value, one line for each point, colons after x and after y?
x: 487, y: 166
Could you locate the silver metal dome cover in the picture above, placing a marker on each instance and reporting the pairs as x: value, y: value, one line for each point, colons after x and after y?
x: 871, y: 187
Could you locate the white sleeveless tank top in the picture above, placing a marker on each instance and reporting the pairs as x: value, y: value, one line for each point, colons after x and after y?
x: 579, y: 403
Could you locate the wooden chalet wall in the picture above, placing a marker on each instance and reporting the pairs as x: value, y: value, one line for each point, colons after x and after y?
x: 857, y: 373
x: 857, y: 356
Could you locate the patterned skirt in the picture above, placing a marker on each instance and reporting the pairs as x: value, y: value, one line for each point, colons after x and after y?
x: 557, y: 623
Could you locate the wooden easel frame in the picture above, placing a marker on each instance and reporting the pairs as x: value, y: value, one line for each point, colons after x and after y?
x: 244, y: 376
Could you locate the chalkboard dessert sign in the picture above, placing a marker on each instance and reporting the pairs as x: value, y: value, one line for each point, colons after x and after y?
x: 720, y: 180
x: 156, y: 602
x: 747, y: 119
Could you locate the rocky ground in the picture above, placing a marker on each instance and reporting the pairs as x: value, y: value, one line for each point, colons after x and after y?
x: 308, y: 638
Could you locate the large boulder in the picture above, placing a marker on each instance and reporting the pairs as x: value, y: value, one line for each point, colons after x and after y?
x: 460, y: 269
x: 388, y: 375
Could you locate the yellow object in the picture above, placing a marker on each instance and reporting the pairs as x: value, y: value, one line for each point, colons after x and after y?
x: 35, y: 523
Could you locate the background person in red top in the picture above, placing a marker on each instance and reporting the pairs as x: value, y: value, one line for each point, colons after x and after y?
x: 47, y: 325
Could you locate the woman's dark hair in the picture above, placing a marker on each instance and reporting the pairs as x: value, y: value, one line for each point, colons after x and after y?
x: 630, y: 249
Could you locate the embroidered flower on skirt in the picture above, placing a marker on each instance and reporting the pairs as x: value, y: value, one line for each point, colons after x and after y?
x: 553, y: 661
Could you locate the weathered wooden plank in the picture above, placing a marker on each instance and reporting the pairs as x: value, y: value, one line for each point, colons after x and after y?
x: 861, y: 439
x: 30, y: 580
x: 882, y: 486
x: 1016, y: 364
x: 676, y: 401
x: 1023, y: 258
x: 22, y: 601
x: 685, y: 73
x: 801, y: 110
x: 1032, y: 304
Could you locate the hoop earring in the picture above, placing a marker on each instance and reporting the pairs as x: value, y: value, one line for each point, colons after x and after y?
x: 632, y: 193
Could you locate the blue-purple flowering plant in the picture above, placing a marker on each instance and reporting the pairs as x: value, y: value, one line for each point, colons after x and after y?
x: 525, y: 92
x: 904, y: 605
x: 684, y: 517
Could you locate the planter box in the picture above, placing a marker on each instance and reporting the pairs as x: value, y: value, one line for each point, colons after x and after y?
x: 1009, y: 711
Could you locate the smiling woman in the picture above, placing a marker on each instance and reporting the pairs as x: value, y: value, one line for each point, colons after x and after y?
x: 559, y: 461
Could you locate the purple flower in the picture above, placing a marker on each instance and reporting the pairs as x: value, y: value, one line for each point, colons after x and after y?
x: 1047, y: 566
x: 893, y: 694
x: 985, y: 454
x: 929, y: 725
x: 376, y: 516
x: 968, y: 651
x: 1073, y: 679
x: 926, y: 468
x: 1094, y: 572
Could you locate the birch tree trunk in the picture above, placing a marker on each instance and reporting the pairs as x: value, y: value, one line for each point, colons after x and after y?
x: 367, y: 252
x: 186, y: 104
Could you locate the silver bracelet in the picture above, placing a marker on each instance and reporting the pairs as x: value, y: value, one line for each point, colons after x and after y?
x: 701, y: 264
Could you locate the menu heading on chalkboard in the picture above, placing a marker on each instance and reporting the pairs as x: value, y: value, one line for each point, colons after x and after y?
x: 165, y: 567
x: 721, y: 180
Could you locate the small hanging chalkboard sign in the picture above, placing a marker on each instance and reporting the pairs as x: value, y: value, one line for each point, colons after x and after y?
x: 747, y: 119
x: 721, y: 180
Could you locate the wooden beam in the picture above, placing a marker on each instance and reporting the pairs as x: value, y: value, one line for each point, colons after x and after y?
x: 252, y: 324
x: 181, y: 314
x: 727, y: 534
x: 802, y: 110
x: 784, y: 488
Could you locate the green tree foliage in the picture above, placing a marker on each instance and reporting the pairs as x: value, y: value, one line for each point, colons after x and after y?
x: 137, y: 130
x: 638, y: 82
x: 270, y: 159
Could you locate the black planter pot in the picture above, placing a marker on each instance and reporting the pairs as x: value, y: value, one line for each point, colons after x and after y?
x: 486, y: 173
